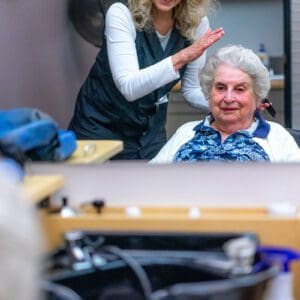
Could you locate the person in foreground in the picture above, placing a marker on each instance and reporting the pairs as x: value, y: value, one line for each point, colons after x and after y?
x: 148, y: 46
x: 235, y: 81
x: 21, y: 240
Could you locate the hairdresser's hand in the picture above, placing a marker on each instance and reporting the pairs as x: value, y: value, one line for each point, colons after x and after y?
x: 197, y: 48
x: 263, y: 106
x: 266, y: 104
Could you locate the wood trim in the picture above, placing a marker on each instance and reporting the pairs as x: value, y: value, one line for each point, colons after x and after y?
x: 90, y: 151
x: 39, y: 187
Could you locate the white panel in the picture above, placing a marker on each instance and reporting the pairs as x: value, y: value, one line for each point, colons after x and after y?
x: 209, y: 184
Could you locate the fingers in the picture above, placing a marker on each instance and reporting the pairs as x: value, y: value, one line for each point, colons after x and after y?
x: 263, y: 106
x: 210, y: 37
x: 217, y: 32
x: 195, y: 50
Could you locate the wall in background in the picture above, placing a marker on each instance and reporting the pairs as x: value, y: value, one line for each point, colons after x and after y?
x: 43, y: 61
x: 250, y: 22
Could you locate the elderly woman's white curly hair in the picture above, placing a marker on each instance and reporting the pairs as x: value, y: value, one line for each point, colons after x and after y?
x: 241, y: 58
x: 187, y: 14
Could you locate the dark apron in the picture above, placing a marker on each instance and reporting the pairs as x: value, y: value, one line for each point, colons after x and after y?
x: 102, y: 112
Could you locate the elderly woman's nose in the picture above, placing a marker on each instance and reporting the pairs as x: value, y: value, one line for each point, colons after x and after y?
x: 229, y: 95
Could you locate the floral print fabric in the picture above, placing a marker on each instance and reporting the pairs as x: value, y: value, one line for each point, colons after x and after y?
x: 207, y: 145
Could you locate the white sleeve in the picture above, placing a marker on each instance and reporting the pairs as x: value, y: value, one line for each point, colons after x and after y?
x: 183, y: 134
x: 131, y: 81
x: 191, y: 89
x: 282, y: 145
x: 288, y: 146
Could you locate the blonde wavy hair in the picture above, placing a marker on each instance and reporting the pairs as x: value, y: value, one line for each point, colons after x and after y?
x: 187, y: 14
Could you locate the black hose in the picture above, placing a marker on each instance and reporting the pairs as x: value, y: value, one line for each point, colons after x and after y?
x: 135, y: 267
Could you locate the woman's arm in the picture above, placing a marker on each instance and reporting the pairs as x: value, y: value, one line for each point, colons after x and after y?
x: 132, y: 81
x: 190, y: 86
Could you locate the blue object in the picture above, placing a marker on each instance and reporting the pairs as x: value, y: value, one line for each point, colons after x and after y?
x: 280, y: 254
x: 66, y: 144
x: 29, y: 134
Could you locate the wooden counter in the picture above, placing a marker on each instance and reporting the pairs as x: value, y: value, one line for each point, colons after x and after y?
x: 277, y: 231
x: 272, y: 230
x: 90, y: 151
x: 39, y: 187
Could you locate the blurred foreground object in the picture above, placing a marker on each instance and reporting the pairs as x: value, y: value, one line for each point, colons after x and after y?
x: 29, y: 134
x: 20, y: 243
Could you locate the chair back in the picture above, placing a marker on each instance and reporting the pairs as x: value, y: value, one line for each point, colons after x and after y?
x: 296, y: 134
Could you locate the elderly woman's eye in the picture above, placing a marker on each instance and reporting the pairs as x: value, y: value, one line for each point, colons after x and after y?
x: 240, y: 89
x: 220, y: 87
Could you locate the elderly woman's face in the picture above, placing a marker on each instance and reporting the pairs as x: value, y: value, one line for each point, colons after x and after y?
x: 232, y: 99
x: 165, y: 5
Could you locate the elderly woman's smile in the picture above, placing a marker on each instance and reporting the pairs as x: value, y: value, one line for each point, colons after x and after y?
x: 232, y: 99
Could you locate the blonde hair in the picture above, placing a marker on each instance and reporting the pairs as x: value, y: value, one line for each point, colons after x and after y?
x: 187, y: 14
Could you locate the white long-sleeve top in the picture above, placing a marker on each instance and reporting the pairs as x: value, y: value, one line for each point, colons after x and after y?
x: 134, y: 82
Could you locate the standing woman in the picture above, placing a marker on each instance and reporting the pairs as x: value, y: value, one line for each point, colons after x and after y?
x: 148, y: 46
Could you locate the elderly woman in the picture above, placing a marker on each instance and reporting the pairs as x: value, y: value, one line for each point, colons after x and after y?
x: 235, y: 81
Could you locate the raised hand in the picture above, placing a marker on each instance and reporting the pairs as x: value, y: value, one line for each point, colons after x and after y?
x: 197, y: 48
